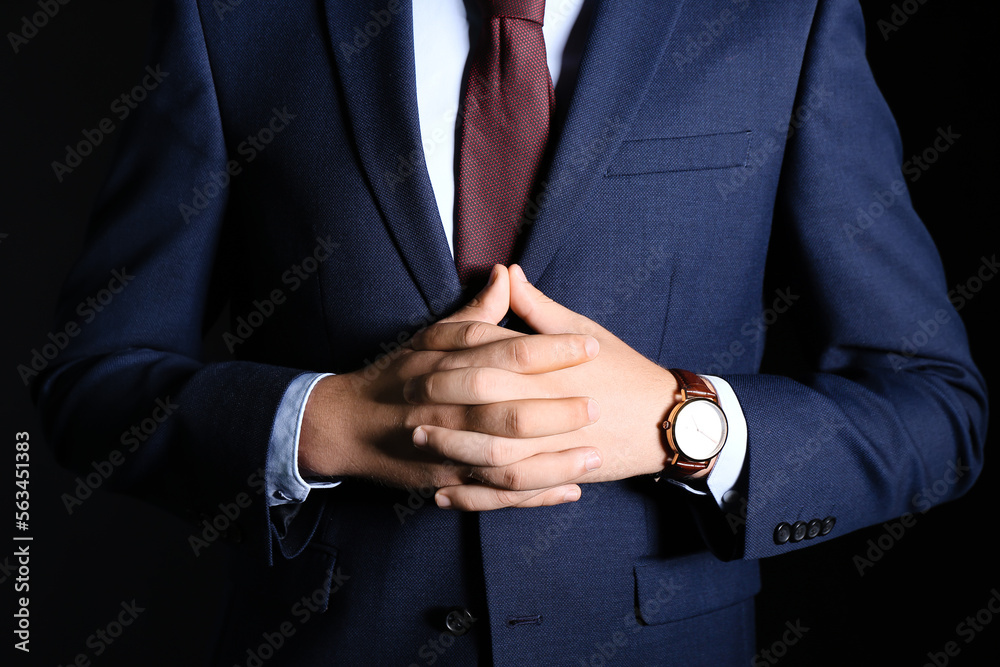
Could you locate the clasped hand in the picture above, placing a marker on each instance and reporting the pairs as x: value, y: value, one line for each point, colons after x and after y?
x: 491, y: 417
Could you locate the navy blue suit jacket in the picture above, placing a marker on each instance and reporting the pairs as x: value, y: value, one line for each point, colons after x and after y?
x: 682, y: 211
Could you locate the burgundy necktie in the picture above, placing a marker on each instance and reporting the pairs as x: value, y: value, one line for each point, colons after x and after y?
x: 505, y: 124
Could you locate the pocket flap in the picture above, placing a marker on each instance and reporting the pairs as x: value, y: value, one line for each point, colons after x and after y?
x: 677, y: 588
x: 708, y: 151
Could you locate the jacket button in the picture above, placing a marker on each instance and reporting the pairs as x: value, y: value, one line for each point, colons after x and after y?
x: 459, y: 621
x: 828, y: 524
x: 798, y: 531
x: 782, y: 533
x: 813, y: 528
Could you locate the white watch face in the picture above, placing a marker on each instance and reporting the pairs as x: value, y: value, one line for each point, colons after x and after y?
x: 700, y: 429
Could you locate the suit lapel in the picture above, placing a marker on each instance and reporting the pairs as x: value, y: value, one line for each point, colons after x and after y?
x: 378, y: 82
x: 373, y: 49
x: 626, y: 43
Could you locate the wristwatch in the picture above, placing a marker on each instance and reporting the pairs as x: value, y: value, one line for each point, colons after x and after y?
x: 696, y: 427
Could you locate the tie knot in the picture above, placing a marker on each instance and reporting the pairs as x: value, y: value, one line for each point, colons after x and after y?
x: 528, y: 10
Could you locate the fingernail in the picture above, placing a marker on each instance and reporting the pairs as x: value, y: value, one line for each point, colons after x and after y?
x: 593, y: 461
x: 571, y: 496
x: 592, y: 347
x: 593, y: 410
x: 493, y: 276
x: 443, y: 501
x: 409, y: 390
x: 520, y: 273
x: 419, y: 437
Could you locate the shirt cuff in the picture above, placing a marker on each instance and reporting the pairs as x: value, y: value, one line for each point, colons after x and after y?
x: 726, y: 471
x: 284, y: 483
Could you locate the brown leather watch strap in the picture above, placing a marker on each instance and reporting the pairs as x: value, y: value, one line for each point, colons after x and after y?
x: 691, y: 467
x: 693, y: 385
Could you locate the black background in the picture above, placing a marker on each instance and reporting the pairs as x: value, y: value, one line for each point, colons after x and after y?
x: 936, y: 70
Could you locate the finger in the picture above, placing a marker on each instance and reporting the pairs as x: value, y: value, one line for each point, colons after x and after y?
x: 481, y: 449
x: 541, y: 471
x: 447, y: 335
x: 479, y: 498
x: 491, y: 304
x: 542, y: 313
x: 474, y: 386
x: 532, y: 418
x: 567, y: 493
x: 516, y: 352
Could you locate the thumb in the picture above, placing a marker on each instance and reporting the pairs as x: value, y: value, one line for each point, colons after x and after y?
x: 491, y: 304
x: 542, y: 313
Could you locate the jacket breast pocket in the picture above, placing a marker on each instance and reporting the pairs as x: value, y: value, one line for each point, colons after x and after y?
x: 676, y: 589
x: 655, y: 156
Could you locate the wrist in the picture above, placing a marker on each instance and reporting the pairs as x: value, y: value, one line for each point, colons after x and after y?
x: 657, y: 402
x: 327, y: 438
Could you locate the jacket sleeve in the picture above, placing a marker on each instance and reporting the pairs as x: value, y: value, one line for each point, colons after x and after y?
x: 151, y: 280
x: 887, y: 412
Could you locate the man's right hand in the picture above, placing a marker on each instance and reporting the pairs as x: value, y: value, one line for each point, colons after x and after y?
x: 360, y: 424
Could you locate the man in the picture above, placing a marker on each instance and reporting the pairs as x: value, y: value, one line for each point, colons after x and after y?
x: 291, y: 168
